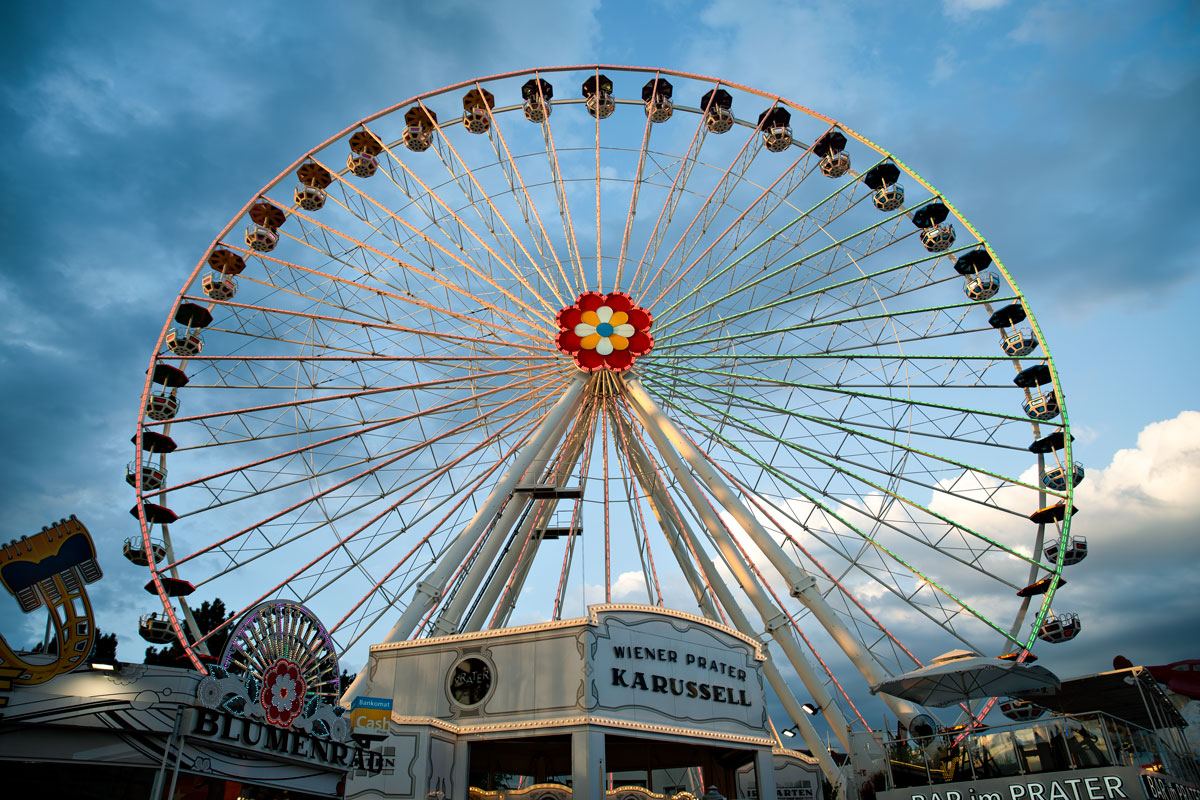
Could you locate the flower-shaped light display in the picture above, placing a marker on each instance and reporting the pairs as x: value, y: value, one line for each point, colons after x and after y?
x: 282, y: 694
x: 604, y: 331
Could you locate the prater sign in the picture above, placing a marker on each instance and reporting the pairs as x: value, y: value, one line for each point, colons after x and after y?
x: 1098, y: 783
x: 246, y: 733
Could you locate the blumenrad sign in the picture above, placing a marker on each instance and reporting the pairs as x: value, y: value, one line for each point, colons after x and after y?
x: 249, y: 734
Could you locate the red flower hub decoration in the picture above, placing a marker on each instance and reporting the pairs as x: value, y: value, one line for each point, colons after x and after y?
x: 604, y: 331
x: 282, y: 693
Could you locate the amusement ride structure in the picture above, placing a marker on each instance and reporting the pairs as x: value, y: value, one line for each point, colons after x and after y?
x: 596, y: 333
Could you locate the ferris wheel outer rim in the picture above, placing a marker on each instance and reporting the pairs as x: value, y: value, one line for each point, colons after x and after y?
x: 156, y: 577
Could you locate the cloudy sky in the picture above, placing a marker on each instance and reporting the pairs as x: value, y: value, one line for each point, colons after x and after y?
x: 1063, y: 130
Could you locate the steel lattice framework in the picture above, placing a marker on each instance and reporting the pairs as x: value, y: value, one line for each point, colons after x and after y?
x: 371, y: 412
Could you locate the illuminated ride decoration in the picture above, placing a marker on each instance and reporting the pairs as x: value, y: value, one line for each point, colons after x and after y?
x: 604, y: 331
x: 279, y: 666
x: 480, y: 357
x: 51, y: 568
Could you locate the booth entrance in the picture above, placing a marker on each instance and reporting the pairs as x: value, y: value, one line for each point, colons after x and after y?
x: 509, y: 767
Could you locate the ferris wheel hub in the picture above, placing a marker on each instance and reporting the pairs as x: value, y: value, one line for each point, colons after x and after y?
x: 604, y: 331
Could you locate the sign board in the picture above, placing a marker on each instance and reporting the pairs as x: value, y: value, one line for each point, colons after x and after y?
x: 371, y: 714
x: 1099, y: 783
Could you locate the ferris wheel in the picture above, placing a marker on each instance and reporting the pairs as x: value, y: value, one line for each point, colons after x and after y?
x: 591, y: 334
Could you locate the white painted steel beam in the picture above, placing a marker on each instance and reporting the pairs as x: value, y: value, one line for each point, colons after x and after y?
x: 429, y: 590
x: 773, y: 618
x: 801, y: 585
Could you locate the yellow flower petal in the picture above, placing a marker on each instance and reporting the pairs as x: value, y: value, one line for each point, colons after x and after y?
x: 618, y: 318
x: 619, y: 342
x: 590, y: 342
x: 583, y: 329
x: 590, y: 318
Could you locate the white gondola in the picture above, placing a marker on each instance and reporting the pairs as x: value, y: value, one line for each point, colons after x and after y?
x: 155, y: 629
x: 982, y: 286
x: 835, y: 165
x: 362, y: 165
x: 1077, y: 550
x: 261, y: 239
x: 162, y: 407
x: 310, y: 198
x: 135, y: 551
x: 888, y: 198
x: 938, y: 238
x: 188, y: 343
x: 1018, y: 343
x: 1061, y: 628
x: 1041, y: 406
x: 1055, y: 478
x: 1021, y: 710
x: 154, y: 475
x: 218, y: 288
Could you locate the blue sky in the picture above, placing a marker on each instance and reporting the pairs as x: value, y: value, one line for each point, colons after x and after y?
x: 1063, y: 130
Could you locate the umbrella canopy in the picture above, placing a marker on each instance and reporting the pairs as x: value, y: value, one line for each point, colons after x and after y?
x: 960, y: 676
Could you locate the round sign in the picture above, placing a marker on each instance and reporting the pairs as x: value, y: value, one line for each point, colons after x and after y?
x: 470, y: 681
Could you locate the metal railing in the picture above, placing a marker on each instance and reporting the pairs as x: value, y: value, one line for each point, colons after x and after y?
x: 1055, y: 744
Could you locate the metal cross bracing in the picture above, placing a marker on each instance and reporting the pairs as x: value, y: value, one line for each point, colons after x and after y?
x: 825, y: 414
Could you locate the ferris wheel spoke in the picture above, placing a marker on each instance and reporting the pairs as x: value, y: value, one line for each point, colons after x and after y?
x: 564, y: 209
x: 724, y: 186
x: 541, y: 239
x: 749, y: 560
x: 418, y: 332
x: 649, y: 474
x: 765, y: 507
x: 430, y: 274
x: 891, y: 399
x: 812, y: 261
x: 848, y: 429
x: 471, y: 189
x: 378, y: 586
x: 821, y: 214
x: 754, y: 216
x: 460, y: 498
x: 640, y: 531
x: 814, y: 286
x: 836, y: 467
x: 364, y: 393
x: 404, y: 452
x: 639, y: 174
x: 670, y: 202
x: 397, y: 296
x: 804, y: 491
x: 357, y: 431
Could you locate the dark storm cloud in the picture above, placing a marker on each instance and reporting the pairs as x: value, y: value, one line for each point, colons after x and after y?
x: 132, y: 133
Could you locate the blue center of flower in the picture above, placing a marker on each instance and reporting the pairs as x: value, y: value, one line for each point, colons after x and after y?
x: 604, y: 329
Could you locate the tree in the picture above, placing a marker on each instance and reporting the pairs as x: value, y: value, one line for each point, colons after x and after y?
x: 208, y: 617
x: 346, y: 680
x: 104, y: 651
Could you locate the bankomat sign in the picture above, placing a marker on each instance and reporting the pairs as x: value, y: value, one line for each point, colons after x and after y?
x: 371, y: 713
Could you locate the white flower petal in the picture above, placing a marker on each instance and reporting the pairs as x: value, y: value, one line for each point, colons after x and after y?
x: 625, y: 330
x: 604, y: 313
x: 604, y: 346
x: 583, y: 329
